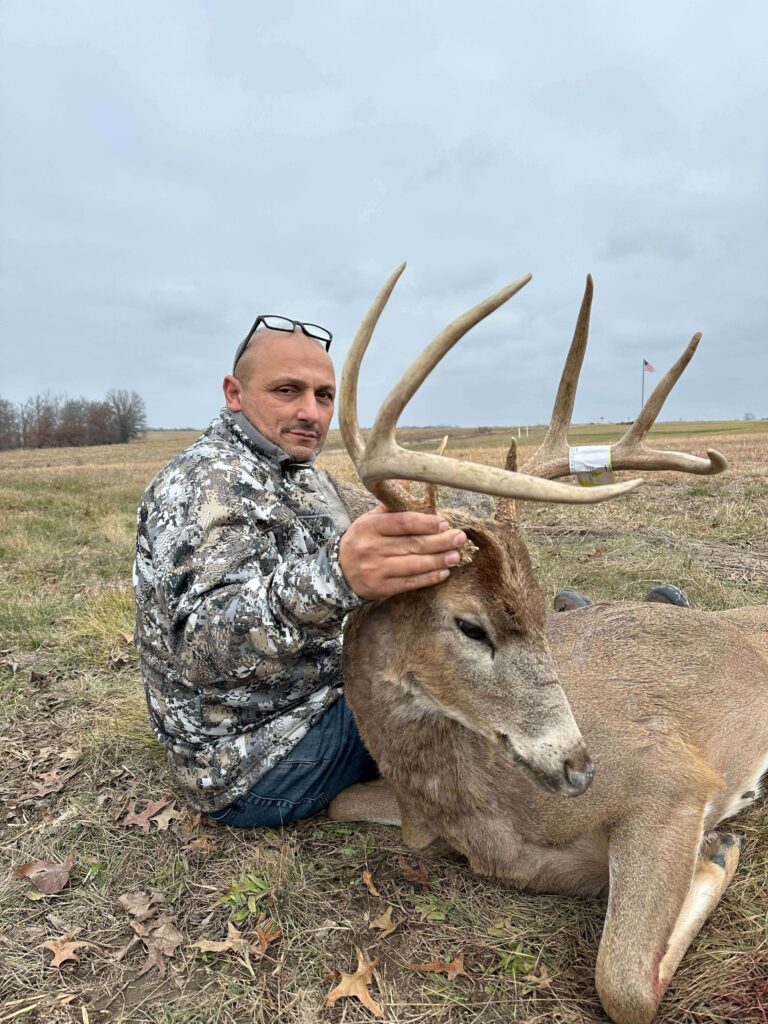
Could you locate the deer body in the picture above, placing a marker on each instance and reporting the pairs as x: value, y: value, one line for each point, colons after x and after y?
x: 468, y: 696
x: 677, y: 730
x: 657, y: 730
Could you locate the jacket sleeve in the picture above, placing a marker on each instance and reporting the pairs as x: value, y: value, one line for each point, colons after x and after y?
x: 240, y: 587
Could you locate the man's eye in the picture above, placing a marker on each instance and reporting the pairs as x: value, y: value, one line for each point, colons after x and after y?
x: 472, y: 631
x: 325, y: 396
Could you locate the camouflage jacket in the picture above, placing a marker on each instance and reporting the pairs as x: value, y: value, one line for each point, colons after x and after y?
x: 240, y: 601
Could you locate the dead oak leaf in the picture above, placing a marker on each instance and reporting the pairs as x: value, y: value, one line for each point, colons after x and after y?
x: 46, y: 876
x: 201, y: 846
x: 538, y: 981
x: 368, y: 883
x: 418, y: 875
x: 162, y: 939
x: 451, y: 970
x: 236, y: 942
x: 266, y: 933
x: 63, y: 949
x: 385, y: 923
x: 139, y: 904
x: 188, y: 825
x: 356, y: 985
x: 164, y: 818
x: 142, y: 820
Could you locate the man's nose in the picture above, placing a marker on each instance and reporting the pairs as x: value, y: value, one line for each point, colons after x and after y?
x: 307, y: 407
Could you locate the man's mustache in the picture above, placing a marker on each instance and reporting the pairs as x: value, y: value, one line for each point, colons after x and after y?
x: 305, y: 428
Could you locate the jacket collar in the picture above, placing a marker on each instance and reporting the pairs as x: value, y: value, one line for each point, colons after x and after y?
x: 242, y: 427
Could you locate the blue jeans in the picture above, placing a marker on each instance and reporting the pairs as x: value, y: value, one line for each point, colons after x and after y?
x: 328, y: 759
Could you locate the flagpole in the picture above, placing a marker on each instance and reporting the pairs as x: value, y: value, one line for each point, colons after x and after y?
x: 642, y: 388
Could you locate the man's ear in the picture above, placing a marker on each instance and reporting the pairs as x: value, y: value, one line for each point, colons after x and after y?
x: 232, y: 393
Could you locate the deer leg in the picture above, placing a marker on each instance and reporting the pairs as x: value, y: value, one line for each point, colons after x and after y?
x: 661, y: 891
x: 716, y: 867
x: 366, y: 801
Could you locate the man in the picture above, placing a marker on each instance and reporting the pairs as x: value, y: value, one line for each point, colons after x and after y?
x: 246, y: 566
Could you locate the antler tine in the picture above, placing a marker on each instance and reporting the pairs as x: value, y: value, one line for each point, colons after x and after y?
x: 390, y: 494
x: 384, y: 460
x: 555, y: 442
x: 430, y: 491
x: 384, y: 427
x: 631, y: 453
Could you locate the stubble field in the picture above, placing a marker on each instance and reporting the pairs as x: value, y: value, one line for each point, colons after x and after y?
x: 77, y: 758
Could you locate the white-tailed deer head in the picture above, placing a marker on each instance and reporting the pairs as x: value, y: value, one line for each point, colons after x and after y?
x: 485, y: 623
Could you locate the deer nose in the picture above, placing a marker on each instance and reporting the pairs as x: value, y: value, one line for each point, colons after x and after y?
x: 578, y: 771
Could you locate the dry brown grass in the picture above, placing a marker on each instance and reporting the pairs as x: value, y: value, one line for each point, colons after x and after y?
x: 69, y: 679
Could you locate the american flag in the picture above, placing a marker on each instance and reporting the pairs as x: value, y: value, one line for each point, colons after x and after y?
x: 648, y: 367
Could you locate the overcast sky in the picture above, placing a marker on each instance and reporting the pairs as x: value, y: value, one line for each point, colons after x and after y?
x: 169, y: 170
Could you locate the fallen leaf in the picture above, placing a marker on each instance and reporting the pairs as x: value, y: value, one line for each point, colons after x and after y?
x: 385, y: 923
x: 540, y: 980
x: 368, y: 882
x: 50, y: 777
x: 63, y: 949
x: 418, y: 875
x: 162, y: 940
x: 47, y: 876
x: 128, y: 637
x: 266, y: 933
x: 164, y: 818
x: 236, y: 942
x: 45, y: 789
x: 187, y: 826
x: 70, y: 755
x: 356, y: 985
x: 203, y: 845
x: 142, y: 820
x: 139, y: 904
x: 451, y: 970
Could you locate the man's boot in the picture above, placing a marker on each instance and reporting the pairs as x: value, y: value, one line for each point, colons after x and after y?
x: 667, y: 593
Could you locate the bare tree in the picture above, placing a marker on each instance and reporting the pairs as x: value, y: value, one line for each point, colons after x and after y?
x: 128, y: 413
x: 40, y: 420
x: 73, y: 422
x: 10, y: 428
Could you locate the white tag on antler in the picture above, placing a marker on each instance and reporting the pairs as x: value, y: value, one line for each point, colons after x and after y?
x: 591, y: 464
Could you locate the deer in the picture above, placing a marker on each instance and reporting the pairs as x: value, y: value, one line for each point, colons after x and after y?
x: 468, y: 695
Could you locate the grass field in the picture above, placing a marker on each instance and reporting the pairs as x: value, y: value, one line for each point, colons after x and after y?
x: 77, y: 754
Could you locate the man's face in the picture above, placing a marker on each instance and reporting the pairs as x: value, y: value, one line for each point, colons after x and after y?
x: 286, y: 389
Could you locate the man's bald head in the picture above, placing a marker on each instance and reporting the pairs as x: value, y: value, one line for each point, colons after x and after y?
x: 285, y: 384
x: 274, y: 345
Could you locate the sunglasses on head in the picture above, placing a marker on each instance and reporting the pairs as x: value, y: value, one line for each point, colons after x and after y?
x: 282, y: 323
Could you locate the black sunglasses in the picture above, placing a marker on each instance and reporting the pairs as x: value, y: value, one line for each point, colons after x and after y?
x: 282, y: 323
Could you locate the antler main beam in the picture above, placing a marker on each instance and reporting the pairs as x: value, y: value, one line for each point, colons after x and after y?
x: 551, y: 459
x: 381, y: 460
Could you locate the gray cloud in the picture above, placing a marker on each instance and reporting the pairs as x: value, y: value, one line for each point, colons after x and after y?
x: 171, y: 170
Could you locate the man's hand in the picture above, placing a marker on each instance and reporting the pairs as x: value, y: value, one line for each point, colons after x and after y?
x: 385, y: 553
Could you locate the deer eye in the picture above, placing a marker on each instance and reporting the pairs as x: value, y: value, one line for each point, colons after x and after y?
x: 472, y: 631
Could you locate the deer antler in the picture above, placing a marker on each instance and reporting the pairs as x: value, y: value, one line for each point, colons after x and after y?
x: 381, y: 460
x: 550, y: 460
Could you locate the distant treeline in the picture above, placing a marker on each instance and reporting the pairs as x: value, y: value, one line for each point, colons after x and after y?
x: 54, y: 421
